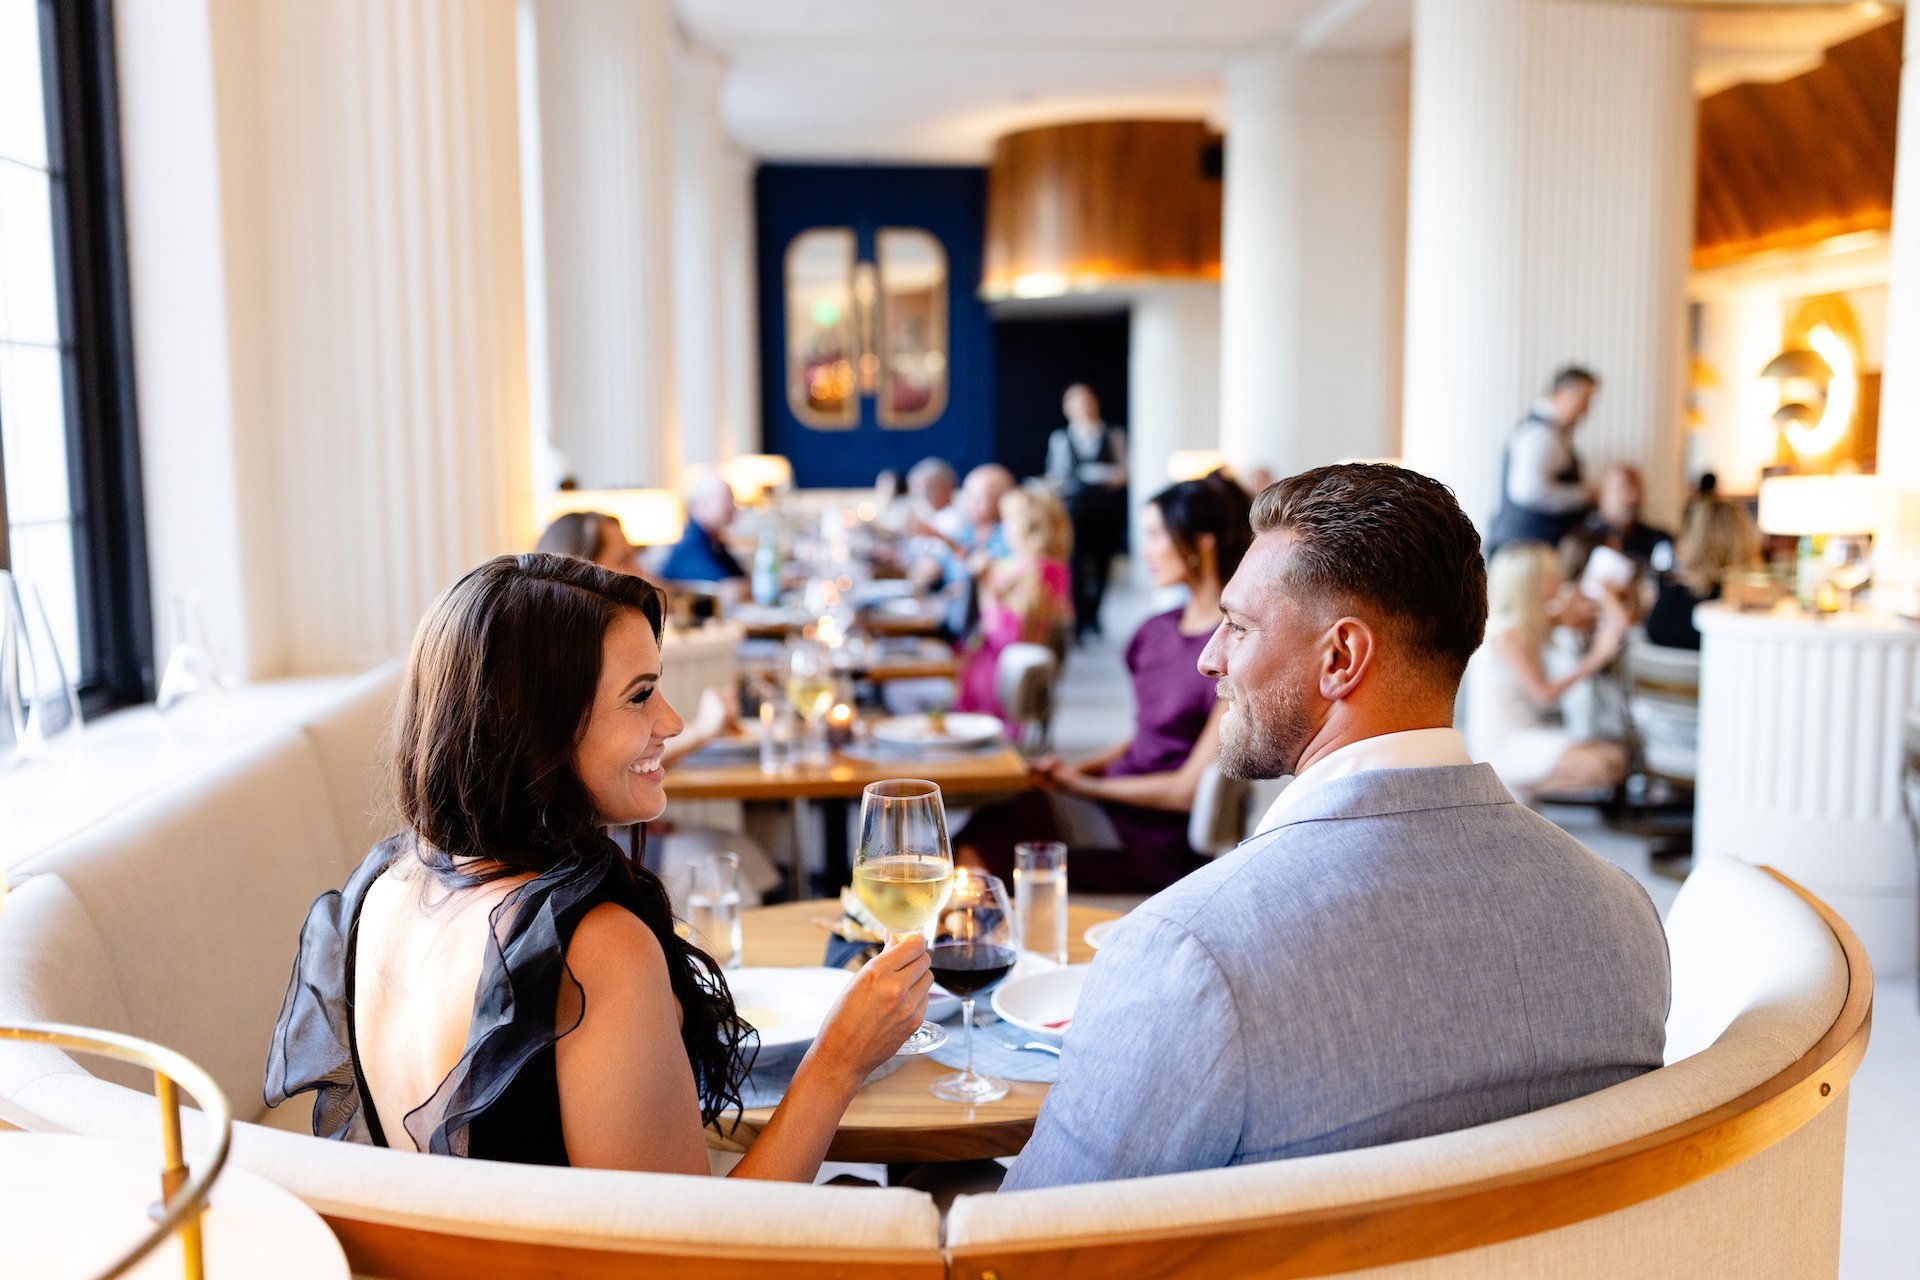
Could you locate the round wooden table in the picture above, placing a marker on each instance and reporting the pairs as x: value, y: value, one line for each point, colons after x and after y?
x: 896, y: 1119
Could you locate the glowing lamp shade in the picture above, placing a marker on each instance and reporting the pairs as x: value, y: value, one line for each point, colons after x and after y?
x: 753, y: 475
x: 651, y: 517
x: 1194, y: 464
x: 1820, y: 506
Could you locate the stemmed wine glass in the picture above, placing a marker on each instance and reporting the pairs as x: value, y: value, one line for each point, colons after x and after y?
x: 810, y: 690
x: 903, y: 868
x: 972, y: 950
x: 1849, y: 568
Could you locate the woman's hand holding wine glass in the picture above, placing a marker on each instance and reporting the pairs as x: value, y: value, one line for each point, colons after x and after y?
x: 883, y: 1005
x: 903, y: 868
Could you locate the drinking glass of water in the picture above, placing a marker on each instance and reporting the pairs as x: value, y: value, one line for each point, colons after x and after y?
x: 1040, y: 898
x: 713, y: 907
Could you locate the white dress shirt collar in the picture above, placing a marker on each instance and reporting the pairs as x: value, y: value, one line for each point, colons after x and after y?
x: 1409, y: 749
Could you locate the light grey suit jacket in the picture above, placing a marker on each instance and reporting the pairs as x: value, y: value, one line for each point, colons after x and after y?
x: 1410, y: 952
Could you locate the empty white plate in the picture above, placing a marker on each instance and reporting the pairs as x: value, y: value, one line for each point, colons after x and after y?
x: 1043, y: 1002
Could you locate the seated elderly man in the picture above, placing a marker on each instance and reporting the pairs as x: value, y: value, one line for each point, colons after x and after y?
x: 700, y: 555
x: 1401, y: 949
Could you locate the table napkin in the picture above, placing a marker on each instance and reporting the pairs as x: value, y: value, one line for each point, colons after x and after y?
x: 997, y: 1052
x: 772, y: 1076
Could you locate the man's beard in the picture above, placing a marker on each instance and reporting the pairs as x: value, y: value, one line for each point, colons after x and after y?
x: 1265, y: 734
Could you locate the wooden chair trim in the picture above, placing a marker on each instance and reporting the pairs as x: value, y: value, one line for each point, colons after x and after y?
x: 1351, y: 1237
x: 395, y: 1252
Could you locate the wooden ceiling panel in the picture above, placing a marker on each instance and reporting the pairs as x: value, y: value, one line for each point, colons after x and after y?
x: 1791, y: 164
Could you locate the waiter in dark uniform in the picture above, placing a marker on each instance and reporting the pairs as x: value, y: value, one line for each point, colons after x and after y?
x: 1087, y: 464
x: 1542, y: 496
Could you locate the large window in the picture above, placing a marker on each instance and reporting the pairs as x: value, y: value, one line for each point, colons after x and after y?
x: 70, y: 500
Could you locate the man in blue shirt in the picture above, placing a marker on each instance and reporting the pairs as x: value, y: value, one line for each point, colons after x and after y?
x: 700, y: 555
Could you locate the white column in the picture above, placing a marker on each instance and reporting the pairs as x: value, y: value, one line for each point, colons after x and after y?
x: 1173, y: 383
x: 1549, y: 221
x: 397, y: 320
x: 712, y: 272
x: 328, y: 243
x: 740, y: 312
x: 1899, y: 449
x: 1312, y: 242
x: 604, y: 71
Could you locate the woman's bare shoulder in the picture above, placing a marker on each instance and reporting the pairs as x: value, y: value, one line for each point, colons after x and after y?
x: 611, y: 942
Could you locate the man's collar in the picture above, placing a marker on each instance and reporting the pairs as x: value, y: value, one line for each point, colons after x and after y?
x: 1408, y: 749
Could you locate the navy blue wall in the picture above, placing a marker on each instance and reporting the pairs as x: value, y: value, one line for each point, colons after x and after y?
x: 951, y: 203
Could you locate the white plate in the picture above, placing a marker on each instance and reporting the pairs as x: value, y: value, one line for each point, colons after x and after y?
x: 941, y: 1004
x: 964, y: 729
x: 1034, y: 1001
x: 786, y: 1006
x: 1097, y: 934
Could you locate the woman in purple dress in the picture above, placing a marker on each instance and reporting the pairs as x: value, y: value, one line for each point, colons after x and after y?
x: 1124, y: 812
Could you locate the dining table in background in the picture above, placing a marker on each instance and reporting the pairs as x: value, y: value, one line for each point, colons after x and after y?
x: 924, y: 658
x: 962, y: 774
x: 909, y: 616
x: 895, y: 1120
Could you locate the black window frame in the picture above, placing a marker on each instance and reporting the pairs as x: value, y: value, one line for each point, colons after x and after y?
x: 96, y: 319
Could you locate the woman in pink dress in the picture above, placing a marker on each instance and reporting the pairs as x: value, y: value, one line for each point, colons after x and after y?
x: 1023, y: 599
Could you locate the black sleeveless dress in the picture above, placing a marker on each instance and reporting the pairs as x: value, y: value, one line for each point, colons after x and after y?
x: 501, y: 1101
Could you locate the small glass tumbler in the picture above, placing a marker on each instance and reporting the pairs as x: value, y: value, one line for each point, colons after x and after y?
x: 713, y: 907
x: 1040, y: 898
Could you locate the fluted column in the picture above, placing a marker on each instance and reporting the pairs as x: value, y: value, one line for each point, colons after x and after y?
x: 1549, y: 220
x: 1311, y: 252
x: 1899, y: 448
x: 396, y: 376
x: 604, y: 89
x: 713, y: 264
x: 1173, y: 382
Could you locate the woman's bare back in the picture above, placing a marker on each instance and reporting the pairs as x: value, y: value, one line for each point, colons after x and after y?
x: 419, y: 954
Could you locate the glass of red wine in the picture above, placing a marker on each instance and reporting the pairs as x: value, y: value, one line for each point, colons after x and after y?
x: 972, y: 950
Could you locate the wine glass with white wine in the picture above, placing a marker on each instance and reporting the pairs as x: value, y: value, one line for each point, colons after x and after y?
x: 903, y: 868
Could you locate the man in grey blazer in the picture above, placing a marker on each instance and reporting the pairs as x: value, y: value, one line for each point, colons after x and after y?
x: 1400, y: 949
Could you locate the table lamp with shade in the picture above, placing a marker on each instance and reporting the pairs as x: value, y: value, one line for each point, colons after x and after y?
x: 1815, y: 509
x: 757, y: 476
x: 1194, y: 464
x: 650, y: 517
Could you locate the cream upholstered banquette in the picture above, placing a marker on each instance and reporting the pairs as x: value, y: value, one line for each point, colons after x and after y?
x: 176, y: 920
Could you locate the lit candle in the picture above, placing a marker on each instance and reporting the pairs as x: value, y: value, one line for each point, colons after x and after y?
x: 840, y: 725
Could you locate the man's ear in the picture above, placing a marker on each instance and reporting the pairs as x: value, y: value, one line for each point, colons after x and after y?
x: 1347, y: 651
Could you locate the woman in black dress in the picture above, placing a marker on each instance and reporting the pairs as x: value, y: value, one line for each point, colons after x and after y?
x: 498, y: 980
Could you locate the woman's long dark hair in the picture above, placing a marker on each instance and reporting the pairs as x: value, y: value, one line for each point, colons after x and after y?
x: 1215, y: 505
x: 499, y: 685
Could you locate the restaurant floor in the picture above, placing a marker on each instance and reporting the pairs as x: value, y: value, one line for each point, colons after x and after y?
x: 1880, y: 1233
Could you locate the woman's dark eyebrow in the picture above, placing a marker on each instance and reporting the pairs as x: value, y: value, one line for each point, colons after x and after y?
x: 644, y: 675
